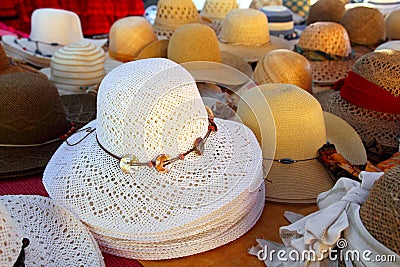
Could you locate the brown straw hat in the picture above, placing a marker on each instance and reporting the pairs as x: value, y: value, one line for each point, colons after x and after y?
x: 171, y: 14
x: 392, y: 25
x: 300, y: 131
x: 214, y: 12
x: 32, y: 123
x: 380, y: 213
x: 284, y: 66
x: 128, y: 36
x: 245, y: 33
x: 369, y: 98
x: 364, y: 25
x: 326, y: 10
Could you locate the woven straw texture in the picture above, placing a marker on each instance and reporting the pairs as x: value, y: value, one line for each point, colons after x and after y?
x: 128, y: 36
x: 326, y: 10
x: 56, y: 236
x: 157, y: 48
x: 393, y: 45
x: 217, y: 9
x: 380, y: 213
x: 171, y: 14
x: 382, y: 69
x: 328, y: 72
x: 300, y: 7
x: 257, y: 4
x: 147, y: 209
x: 284, y: 66
x: 31, y: 113
x: 11, y: 238
x: 364, y: 25
x: 392, y: 25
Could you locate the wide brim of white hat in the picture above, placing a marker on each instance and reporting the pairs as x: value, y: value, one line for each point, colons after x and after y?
x: 16, y: 51
x: 55, y: 234
x: 255, y: 53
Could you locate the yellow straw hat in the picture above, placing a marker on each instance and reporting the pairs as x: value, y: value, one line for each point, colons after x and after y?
x: 156, y: 49
x: 214, y: 12
x: 257, y: 4
x: 301, y: 129
x: 284, y: 66
x: 245, y: 33
x: 392, y: 25
x: 128, y: 36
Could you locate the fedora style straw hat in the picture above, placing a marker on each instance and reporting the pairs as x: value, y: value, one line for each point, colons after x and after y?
x: 128, y: 36
x: 214, y: 12
x: 368, y: 99
x: 50, y: 29
x: 245, y: 33
x: 284, y: 66
x: 327, y: 46
x: 76, y: 68
x: 155, y: 176
x: 392, y: 25
x: 36, y: 231
x: 171, y: 14
x: 364, y: 25
x: 301, y: 130
x: 326, y: 10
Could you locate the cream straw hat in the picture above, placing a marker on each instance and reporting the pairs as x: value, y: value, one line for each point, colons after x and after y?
x: 392, y: 25
x: 50, y: 29
x: 149, y: 109
x: 300, y: 131
x: 214, y: 11
x: 76, y: 68
x: 52, y: 235
x: 245, y: 33
x: 392, y: 45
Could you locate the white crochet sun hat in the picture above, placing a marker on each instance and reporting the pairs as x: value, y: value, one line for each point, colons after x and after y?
x: 52, y: 236
x: 149, y: 109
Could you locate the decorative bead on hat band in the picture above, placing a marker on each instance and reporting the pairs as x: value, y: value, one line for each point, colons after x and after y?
x: 37, y: 50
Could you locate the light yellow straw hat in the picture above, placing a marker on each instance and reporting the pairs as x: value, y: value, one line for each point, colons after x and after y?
x: 245, y: 33
x: 214, y: 12
x: 392, y: 25
x: 128, y: 36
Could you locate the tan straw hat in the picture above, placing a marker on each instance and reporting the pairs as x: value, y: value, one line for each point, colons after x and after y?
x: 284, y: 66
x: 157, y: 48
x: 214, y: 12
x: 245, y: 33
x: 128, y: 36
x: 76, y: 68
x: 36, y: 231
x: 392, y: 25
x: 364, y: 25
x: 326, y: 10
x: 369, y: 98
x: 327, y: 46
x: 257, y: 4
x: 171, y: 14
x: 296, y: 175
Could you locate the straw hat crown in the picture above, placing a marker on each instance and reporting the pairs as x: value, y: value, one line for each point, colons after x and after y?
x: 217, y: 9
x: 392, y: 25
x: 326, y: 10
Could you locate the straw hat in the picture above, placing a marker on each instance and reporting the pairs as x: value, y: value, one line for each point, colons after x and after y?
x: 8, y: 65
x: 214, y: 12
x: 326, y: 10
x: 45, y: 38
x: 128, y: 36
x: 385, y: 6
x: 44, y: 233
x: 171, y: 14
x: 257, y: 4
x: 284, y: 66
x: 301, y: 129
x: 392, y: 25
x: 364, y: 25
x: 76, y: 68
x: 368, y: 100
x: 393, y: 45
x: 298, y: 7
x: 245, y: 33
x: 149, y: 109
x: 280, y: 21
x: 327, y: 46
x: 157, y: 48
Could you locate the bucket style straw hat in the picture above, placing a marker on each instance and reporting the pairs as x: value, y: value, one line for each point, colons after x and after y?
x: 245, y: 33
x: 50, y: 29
x: 301, y: 130
x: 128, y: 36
x: 214, y: 12
x: 357, y: 225
x: 284, y: 66
x: 155, y: 177
x: 326, y: 10
x: 364, y: 25
x: 368, y: 99
x: 76, y: 68
x: 327, y: 46
x: 392, y: 25
x: 36, y: 231
x: 171, y: 14
x: 393, y: 45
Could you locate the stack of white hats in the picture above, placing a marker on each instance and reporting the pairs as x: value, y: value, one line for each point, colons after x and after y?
x: 156, y: 176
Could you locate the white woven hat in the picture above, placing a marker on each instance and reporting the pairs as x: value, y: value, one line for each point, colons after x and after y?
x: 50, y: 29
x: 76, y: 68
x: 146, y: 109
x: 55, y: 237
